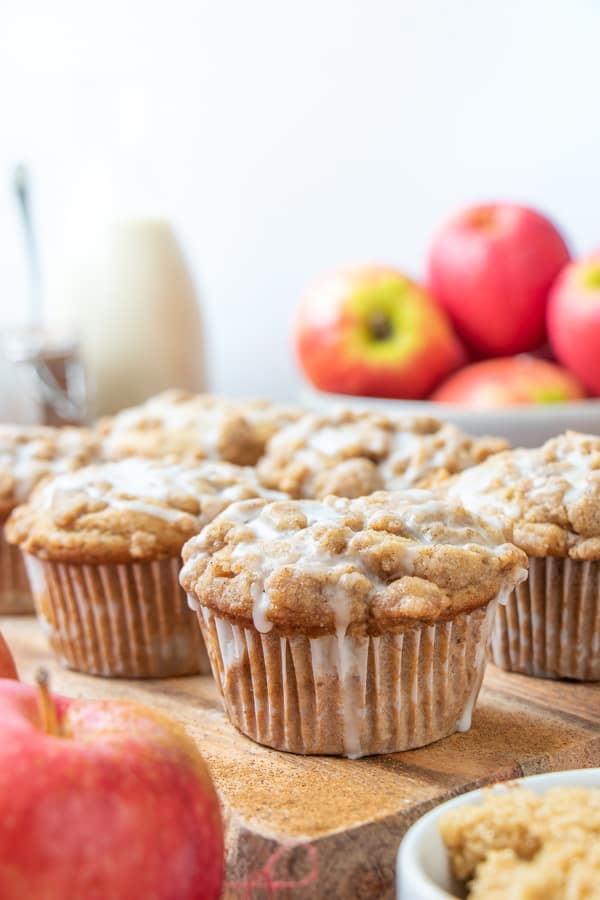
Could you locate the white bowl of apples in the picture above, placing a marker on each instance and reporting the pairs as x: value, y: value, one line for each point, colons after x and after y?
x: 505, y: 339
x: 522, y: 426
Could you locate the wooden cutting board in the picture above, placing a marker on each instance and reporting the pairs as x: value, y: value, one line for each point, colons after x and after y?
x: 319, y: 827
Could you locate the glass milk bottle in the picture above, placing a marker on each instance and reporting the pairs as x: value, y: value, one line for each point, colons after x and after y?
x: 123, y: 288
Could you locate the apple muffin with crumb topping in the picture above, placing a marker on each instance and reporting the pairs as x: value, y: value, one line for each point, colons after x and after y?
x: 550, y: 625
x: 28, y: 454
x: 349, y: 626
x: 102, y: 548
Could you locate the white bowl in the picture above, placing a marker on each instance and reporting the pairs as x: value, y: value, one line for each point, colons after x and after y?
x: 422, y: 868
x: 523, y: 426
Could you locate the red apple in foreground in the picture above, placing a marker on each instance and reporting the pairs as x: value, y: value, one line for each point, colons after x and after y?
x: 574, y: 320
x: 509, y: 381
x: 371, y: 331
x: 491, y: 268
x: 102, y: 800
x: 7, y: 663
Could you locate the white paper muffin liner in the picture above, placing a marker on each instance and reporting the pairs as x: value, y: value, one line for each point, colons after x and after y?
x: 347, y: 695
x: 129, y: 620
x: 550, y: 626
x: 15, y: 594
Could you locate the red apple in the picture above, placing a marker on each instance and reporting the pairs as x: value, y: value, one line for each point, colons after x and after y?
x: 509, y: 381
x: 491, y: 268
x: 7, y: 663
x: 574, y: 319
x: 102, y: 800
x: 371, y: 331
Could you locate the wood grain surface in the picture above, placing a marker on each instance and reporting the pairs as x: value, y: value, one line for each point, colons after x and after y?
x: 319, y: 827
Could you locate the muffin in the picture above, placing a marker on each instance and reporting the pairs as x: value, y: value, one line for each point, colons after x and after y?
x: 102, y: 548
x: 351, y: 454
x: 519, y: 844
x: 550, y: 625
x: 202, y: 426
x: 349, y: 627
x: 28, y: 454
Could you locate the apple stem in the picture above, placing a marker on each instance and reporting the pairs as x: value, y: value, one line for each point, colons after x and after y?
x: 380, y: 326
x: 46, y: 707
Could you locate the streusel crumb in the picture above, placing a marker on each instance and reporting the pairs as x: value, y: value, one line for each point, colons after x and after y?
x: 551, y: 494
x: 30, y: 453
x: 352, y: 454
x: 131, y: 509
x: 383, y: 562
x: 202, y: 426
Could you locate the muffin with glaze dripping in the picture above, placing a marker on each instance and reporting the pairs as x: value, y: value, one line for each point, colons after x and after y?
x: 28, y: 454
x: 349, y: 627
x: 550, y: 626
x: 103, y: 552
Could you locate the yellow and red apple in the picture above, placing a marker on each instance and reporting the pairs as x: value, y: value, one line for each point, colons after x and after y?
x: 102, y: 800
x: 371, y: 331
x: 491, y: 268
x: 8, y: 668
x: 574, y: 319
x: 508, y: 381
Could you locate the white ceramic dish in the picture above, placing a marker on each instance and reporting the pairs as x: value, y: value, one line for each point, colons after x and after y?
x: 422, y: 869
x: 523, y: 426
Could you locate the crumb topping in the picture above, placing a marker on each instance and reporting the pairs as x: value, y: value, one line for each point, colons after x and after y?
x: 131, y: 509
x: 519, y: 844
x: 551, y: 494
x: 383, y: 562
x: 352, y: 454
x: 30, y: 453
x: 268, y: 418
x: 202, y: 426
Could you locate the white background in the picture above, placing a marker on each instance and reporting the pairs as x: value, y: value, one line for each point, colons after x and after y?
x: 282, y: 138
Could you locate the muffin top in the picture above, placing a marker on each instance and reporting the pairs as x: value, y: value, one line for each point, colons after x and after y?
x: 352, y: 454
x: 30, y: 453
x: 551, y: 495
x: 378, y: 563
x: 201, y: 426
x: 134, y: 509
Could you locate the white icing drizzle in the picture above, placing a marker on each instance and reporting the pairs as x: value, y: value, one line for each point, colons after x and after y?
x: 353, y: 657
x: 29, y: 454
x: 193, y: 603
x: 473, y: 492
x: 260, y: 608
x: 404, y: 451
x: 565, y: 470
x: 268, y: 545
x: 35, y: 574
x: 333, y: 440
x: 149, y: 486
x: 230, y: 644
x: 481, y: 654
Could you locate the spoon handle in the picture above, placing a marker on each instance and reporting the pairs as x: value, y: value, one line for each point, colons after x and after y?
x: 23, y: 193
